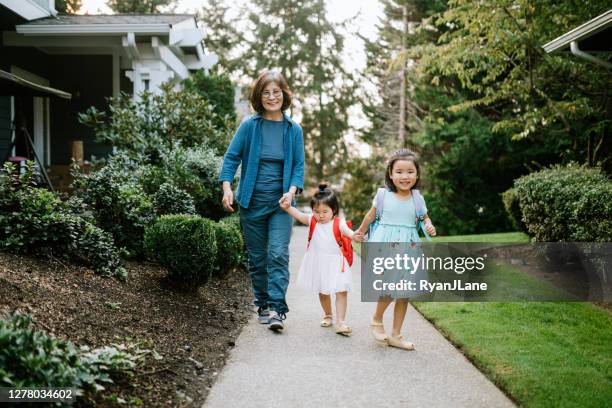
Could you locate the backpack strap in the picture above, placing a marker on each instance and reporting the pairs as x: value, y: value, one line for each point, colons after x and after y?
x: 380, y: 201
x: 313, y: 224
x: 338, y: 236
x: 421, y: 211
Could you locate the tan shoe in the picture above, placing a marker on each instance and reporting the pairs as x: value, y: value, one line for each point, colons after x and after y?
x: 343, y: 329
x: 399, y: 342
x: 382, y: 337
x: 327, y: 321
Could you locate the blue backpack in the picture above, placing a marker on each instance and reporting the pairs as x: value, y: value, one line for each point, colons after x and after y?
x: 419, y: 206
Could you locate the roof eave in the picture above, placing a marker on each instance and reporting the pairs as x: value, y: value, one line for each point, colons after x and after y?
x: 580, y: 33
x: 93, y: 29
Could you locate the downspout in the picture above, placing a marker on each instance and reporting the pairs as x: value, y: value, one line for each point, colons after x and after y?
x: 581, y: 54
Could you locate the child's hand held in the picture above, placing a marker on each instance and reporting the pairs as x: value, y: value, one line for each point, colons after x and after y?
x: 431, y: 230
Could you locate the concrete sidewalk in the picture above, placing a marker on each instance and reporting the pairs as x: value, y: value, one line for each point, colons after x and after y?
x: 311, y: 366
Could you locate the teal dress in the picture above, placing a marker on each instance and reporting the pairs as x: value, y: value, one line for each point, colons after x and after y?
x: 398, y: 227
x: 398, y: 221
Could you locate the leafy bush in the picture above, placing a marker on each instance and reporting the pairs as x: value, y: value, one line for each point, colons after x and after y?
x: 230, y: 245
x: 172, y: 200
x: 158, y: 122
x: 219, y: 91
x: 194, y: 170
x: 572, y: 203
x: 511, y: 204
x: 30, y: 358
x: 35, y: 220
x: 185, y: 244
x: 117, y: 201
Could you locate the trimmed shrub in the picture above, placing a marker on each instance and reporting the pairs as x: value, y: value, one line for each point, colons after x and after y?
x: 511, y: 204
x: 118, y: 202
x: 172, y: 200
x: 572, y: 203
x: 194, y: 170
x: 35, y: 220
x: 230, y: 245
x: 185, y: 244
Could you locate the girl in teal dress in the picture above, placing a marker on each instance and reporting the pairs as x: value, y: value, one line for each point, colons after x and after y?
x: 397, y: 224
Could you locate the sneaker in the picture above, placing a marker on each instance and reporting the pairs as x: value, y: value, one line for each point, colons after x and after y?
x: 275, y: 321
x: 263, y: 314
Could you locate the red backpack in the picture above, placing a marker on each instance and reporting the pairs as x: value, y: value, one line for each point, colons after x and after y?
x: 345, y: 243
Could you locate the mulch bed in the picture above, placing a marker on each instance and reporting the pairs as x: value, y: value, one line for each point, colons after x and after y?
x: 193, y: 332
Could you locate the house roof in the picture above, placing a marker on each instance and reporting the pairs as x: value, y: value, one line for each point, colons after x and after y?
x: 101, y: 24
x: 593, y: 36
x: 111, y: 19
x: 11, y: 84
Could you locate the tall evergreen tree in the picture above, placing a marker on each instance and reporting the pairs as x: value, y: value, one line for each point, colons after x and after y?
x: 296, y: 38
x: 138, y: 6
x: 222, y: 34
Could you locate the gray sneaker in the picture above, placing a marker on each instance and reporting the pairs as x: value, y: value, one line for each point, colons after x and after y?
x: 276, y: 321
x: 263, y: 314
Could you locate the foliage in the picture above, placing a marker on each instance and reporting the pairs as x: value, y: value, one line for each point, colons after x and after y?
x: 34, y: 220
x: 222, y: 35
x: 172, y: 200
x: 219, y: 91
x: 494, y: 50
x: 323, y: 90
x: 138, y: 6
x: 118, y: 202
x: 511, y: 204
x: 360, y: 188
x: 231, y: 251
x: 30, y: 358
x: 68, y: 6
x: 186, y: 245
x: 194, y: 170
x: 145, y: 129
x: 572, y: 203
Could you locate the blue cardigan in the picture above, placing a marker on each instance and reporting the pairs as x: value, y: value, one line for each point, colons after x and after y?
x: 245, y: 147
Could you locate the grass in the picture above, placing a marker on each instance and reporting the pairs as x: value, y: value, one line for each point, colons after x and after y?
x: 542, y: 354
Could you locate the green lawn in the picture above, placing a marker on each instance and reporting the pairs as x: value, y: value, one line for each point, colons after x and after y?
x: 542, y: 354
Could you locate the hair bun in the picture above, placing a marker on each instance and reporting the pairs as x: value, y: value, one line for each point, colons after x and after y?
x: 322, y: 187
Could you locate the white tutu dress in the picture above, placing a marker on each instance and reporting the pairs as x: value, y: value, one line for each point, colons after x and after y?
x: 321, y: 269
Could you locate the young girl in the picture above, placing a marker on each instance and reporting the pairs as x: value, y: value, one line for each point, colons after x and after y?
x: 324, y: 268
x: 397, y: 224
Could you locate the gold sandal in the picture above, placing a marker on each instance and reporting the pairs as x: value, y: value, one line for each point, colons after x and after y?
x: 327, y: 321
x: 382, y: 337
x: 343, y: 329
x: 400, y: 343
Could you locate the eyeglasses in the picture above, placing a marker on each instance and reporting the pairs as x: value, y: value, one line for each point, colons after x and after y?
x: 275, y: 94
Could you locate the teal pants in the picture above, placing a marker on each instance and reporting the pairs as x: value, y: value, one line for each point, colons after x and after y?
x: 267, y: 231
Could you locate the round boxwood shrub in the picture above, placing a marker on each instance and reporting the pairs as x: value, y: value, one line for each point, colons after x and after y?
x: 173, y: 200
x: 572, y: 203
x: 230, y: 245
x: 185, y: 244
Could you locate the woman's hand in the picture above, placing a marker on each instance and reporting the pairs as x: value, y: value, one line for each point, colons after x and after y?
x: 286, y: 198
x: 228, y: 199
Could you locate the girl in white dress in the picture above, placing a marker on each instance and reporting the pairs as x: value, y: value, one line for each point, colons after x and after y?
x: 324, y: 268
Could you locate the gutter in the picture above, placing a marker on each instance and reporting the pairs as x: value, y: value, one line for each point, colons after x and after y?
x: 586, y: 56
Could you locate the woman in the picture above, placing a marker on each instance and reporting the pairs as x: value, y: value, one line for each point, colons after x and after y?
x: 270, y: 147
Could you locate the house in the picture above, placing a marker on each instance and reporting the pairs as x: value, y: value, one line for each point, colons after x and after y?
x: 587, y: 41
x: 88, y: 58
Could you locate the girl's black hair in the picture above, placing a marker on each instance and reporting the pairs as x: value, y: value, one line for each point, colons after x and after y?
x: 325, y: 196
x: 402, y: 154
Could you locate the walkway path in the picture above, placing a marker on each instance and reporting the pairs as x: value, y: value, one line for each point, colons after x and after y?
x: 310, y: 366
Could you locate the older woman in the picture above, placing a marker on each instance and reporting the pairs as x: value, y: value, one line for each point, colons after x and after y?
x: 270, y: 146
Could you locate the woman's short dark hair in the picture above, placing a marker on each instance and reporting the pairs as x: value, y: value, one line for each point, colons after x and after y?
x: 325, y: 196
x: 265, y: 78
x: 402, y: 154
